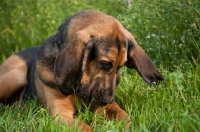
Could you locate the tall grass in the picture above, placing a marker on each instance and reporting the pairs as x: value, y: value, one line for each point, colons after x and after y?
x: 167, y: 30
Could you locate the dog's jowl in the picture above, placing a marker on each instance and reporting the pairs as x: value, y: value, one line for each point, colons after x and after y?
x: 81, y: 63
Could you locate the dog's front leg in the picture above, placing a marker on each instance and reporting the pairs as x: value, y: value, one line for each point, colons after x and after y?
x: 113, y: 111
x: 63, y: 108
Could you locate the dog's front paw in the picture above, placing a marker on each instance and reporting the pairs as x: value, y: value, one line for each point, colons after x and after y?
x: 123, y: 116
x: 84, y: 127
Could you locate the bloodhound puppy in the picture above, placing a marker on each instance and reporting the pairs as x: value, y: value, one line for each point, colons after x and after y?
x: 80, y: 62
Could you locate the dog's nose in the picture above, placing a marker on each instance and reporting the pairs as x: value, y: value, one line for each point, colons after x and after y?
x: 106, y: 96
x: 104, y: 102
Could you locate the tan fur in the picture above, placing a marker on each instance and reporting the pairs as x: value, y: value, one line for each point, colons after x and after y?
x: 40, y: 90
x: 12, y: 78
x: 81, y: 64
x: 78, y: 37
x: 45, y: 73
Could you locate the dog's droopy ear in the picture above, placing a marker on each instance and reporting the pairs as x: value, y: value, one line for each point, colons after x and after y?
x: 138, y: 60
x: 70, y: 64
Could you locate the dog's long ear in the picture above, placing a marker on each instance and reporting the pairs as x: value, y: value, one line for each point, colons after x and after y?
x: 139, y: 60
x: 70, y: 63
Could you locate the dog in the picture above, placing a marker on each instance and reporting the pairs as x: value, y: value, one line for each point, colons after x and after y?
x: 81, y: 62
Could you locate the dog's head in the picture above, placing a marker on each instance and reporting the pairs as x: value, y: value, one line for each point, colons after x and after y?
x: 96, y: 50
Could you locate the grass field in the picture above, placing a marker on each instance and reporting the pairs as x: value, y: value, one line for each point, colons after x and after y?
x: 169, y: 32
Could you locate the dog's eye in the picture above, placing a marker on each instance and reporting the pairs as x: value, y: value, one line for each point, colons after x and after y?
x: 105, y: 65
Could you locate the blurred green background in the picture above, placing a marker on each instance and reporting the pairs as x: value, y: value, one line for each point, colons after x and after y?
x: 169, y: 32
x: 29, y: 23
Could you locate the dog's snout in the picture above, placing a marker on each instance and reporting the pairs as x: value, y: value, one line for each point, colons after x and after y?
x: 104, y: 102
x: 106, y: 92
x: 106, y: 96
x: 102, y: 91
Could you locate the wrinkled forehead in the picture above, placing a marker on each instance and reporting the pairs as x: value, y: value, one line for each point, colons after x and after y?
x: 113, y: 52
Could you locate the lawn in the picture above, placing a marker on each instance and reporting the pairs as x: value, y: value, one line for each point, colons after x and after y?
x: 169, y: 32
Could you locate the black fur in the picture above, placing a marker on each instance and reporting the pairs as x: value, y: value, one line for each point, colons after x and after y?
x: 29, y: 56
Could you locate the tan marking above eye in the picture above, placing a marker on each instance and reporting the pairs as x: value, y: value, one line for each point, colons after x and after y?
x: 108, y: 54
x: 122, y: 63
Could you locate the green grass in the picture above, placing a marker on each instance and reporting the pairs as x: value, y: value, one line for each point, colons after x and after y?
x: 169, y: 32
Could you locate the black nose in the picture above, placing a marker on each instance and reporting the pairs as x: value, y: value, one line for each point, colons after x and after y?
x: 104, y: 102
